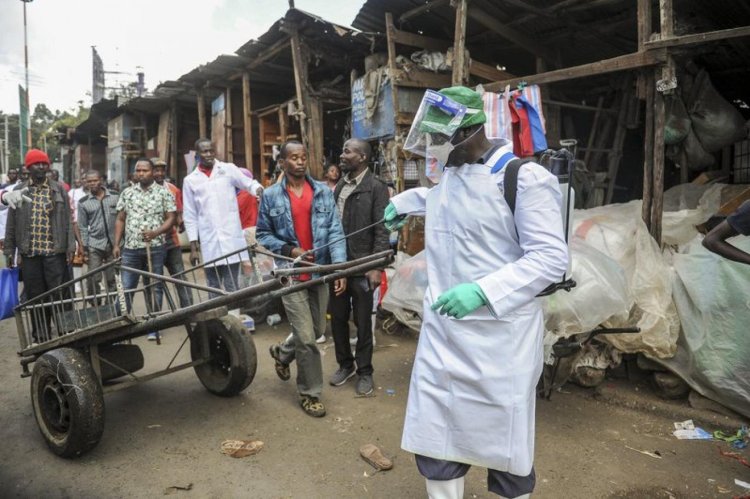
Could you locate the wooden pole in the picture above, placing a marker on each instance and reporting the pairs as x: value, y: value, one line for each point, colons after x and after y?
x: 174, y: 163
x: 228, y: 135
x: 648, y: 150
x: 658, y: 182
x: 460, y: 76
x: 202, y: 130
x: 247, y: 122
x: 644, y: 23
x: 305, y: 105
x: 398, y: 182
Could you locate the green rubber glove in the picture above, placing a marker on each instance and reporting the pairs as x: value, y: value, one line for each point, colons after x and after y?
x: 393, y: 221
x: 461, y: 300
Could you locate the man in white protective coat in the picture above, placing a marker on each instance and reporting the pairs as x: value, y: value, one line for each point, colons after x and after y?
x: 473, y: 386
x: 211, y: 215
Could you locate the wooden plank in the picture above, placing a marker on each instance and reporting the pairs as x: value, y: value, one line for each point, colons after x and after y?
x: 418, y: 11
x: 392, y: 69
x: 644, y: 23
x: 173, y: 132
x: 420, y: 78
x: 229, y: 139
x: 487, y: 72
x: 315, y: 162
x: 283, y: 126
x: 699, y: 38
x: 202, y: 131
x: 420, y: 41
x: 311, y: 122
x: 581, y: 107
x: 594, y: 129
x: 247, y: 121
x: 511, y: 34
x: 460, y: 77
x: 666, y: 19
x: 657, y: 192
x: 615, y: 155
x: 300, y: 81
x: 620, y: 63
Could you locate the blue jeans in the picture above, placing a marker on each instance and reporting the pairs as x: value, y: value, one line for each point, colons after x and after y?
x: 224, y: 277
x: 173, y: 263
x: 137, y: 259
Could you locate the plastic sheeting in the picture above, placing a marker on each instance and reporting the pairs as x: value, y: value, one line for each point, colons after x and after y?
x: 618, y: 231
x: 406, y: 289
x: 601, y: 293
x: 686, y: 206
x: 712, y: 296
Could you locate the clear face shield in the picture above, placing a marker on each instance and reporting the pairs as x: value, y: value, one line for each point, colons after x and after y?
x: 434, y: 126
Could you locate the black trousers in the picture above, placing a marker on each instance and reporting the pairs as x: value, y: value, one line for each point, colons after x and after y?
x: 359, y: 296
x: 40, y: 274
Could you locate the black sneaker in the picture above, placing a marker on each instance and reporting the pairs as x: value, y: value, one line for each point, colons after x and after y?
x: 365, y: 385
x: 342, y: 376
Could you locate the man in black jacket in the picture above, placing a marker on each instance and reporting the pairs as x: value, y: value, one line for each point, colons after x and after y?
x: 361, y: 199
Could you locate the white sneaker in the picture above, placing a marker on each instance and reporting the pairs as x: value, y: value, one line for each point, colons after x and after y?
x: 321, y: 339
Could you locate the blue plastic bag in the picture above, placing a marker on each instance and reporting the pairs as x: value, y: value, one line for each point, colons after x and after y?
x: 8, y: 292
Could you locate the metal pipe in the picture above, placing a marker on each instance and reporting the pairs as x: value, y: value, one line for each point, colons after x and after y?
x: 330, y: 267
x: 312, y: 251
x: 173, y: 281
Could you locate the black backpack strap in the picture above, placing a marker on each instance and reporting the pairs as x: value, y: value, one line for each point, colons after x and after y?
x: 510, y: 182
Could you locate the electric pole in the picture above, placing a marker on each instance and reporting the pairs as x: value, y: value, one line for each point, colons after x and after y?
x: 26, y: 66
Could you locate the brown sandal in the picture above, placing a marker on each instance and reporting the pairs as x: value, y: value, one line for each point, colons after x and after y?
x: 282, y: 370
x: 372, y: 455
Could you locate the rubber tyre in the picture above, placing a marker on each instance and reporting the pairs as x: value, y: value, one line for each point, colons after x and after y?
x: 234, y: 359
x: 68, y: 402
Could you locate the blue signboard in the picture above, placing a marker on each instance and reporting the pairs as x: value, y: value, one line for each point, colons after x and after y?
x: 380, y: 123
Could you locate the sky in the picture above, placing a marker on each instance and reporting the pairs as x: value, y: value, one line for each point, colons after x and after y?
x: 163, y: 38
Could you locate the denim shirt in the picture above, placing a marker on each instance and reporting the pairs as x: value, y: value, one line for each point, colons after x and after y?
x: 275, y: 230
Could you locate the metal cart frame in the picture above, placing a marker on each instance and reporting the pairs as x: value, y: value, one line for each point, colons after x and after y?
x: 79, y: 342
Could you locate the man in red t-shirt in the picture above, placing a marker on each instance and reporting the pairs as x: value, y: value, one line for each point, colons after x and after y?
x: 296, y: 215
x: 173, y: 257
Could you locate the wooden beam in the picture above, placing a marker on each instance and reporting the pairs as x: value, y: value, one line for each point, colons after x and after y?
x: 487, y: 72
x: 511, y: 34
x: 228, y: 135
x: 311, y: 113
x: 657, y: 193
x: 648, y: 149
x: 247, y: 121
x: 644, y: 23
x: 418, y: 11
x: 420, y: 78
x: 173, y: 141
x: 460, y: 76
x: 666, y: 18
x: 699, y: 38
x: 620, y: 63
x: 270, y: 52
x: 420, y: 41
x: 283, y: 125
x: 202, y: 130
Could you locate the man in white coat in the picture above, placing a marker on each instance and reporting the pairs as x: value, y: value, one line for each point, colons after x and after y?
x: 472, y: 392
x: 211, y: 215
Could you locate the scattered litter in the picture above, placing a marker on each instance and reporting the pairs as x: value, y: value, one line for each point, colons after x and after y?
x: 686, y: 430
x: 176, y: 488
x: 372, y: 454
x: 390, y: 391
x: 241, y: 448
x: 151, y: 426
x: 655, y: 454
x: 734, y: 455
x: 723, y: 490
x: 737, y: 440
x: 742, y: 484
x: 273, y: 319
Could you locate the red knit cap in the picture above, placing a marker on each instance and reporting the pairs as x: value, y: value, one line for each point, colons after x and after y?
x: 35, y: 156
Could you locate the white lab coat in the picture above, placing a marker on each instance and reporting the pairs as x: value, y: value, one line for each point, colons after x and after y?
x: 210, y: 211
x: 472, y: 392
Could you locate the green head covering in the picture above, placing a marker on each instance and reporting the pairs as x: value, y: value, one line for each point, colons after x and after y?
x: 463, y: 95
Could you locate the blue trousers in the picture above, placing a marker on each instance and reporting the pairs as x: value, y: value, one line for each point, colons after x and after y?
x: 138, y: 259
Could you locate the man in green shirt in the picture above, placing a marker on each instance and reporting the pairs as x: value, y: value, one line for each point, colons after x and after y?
x: 145, y: 213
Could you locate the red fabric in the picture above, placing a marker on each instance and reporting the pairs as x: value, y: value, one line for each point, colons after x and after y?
x: 248, y: 206
x: 66, y: 186
x: 302, y: 219
x: 205, y: 170
x: 523, y: 143
x: 35, y: 156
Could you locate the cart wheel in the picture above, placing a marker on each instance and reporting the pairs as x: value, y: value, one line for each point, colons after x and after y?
x: 233, y: 360
x: 68, y: 402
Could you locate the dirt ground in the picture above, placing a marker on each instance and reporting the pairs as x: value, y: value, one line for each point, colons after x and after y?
x: 168, y: 433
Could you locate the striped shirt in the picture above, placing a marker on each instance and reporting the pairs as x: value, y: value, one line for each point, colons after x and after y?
x: 96, y: 220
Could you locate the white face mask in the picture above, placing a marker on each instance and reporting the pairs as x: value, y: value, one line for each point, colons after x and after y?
x: 441, y: 151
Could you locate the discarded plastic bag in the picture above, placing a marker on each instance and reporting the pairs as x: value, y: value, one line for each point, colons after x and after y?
x: 241, y: 448
x: 716, y: 122
x: 406, y: 290
x: 677, y: 123
x: 8, y: 292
